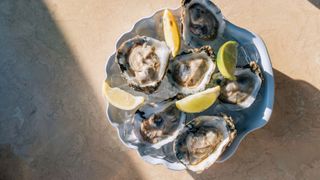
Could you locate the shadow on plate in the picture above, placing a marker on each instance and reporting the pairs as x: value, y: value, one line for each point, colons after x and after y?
x: 287, y: 147
x: 51, y: 125
x: 316, y: 3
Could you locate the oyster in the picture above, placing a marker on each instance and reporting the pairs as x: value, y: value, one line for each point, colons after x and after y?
x: 241, y: 93
x: 203, y: 140
x: 157, y: 124
x: 202, y: 21
x: 191, y: 71
x: 143, y: 62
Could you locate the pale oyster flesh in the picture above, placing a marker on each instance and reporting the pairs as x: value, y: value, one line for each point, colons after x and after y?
x: 191, y: 71
x: 202, y: 22
x: 203, y: 140
x: 157, y: 124
x: 143, y: 62
x: 242, y: 92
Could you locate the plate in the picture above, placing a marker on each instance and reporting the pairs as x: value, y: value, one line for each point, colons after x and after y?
x: 252, y: 48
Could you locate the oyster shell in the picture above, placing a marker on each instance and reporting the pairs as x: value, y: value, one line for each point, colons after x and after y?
x: 202, y: 21
x: 203, y: 140
x: 191, y: 71
x: 241, y: 93
x: 157, y: 124
x: 143, y: 62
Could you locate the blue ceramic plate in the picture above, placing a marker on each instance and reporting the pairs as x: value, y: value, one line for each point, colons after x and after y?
x: 251, y: 48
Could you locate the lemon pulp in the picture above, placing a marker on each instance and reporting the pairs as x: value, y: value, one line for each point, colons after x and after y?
x: 199, y: 102
x: 171, y: 32
x: 227, y: 59
x: 120, y: 98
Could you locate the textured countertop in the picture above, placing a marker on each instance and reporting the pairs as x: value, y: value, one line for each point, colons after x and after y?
x: 52, y: 122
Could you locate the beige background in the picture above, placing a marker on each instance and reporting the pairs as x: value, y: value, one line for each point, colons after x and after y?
x: 52, y: 123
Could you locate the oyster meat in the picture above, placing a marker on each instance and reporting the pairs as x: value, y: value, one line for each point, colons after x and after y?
x: 143, y: 62
x: 202, y: 21
x: 242, y: 92
x: 157, y: 124
x: 203, y: 140
x: 191, y: 71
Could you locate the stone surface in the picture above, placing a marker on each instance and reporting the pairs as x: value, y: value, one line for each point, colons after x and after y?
x: 52, y: 122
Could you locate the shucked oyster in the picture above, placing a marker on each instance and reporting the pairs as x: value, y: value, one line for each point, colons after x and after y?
x: 158, y: 123
x: 242, y: 92
x: 143, y: 62
x: 202, y: 21
x: 191, y: 71
x: 203, y: 140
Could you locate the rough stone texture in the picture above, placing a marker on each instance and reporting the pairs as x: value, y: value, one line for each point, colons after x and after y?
x: 52, y: 122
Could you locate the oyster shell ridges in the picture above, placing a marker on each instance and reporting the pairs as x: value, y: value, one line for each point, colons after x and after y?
x: 205, y: 149
x: 184, y: 70
x: 143, y: 62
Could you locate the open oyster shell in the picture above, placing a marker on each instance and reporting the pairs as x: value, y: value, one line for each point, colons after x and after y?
x: 241, y: 93
x: 143, y: 62
x: 202, y: 22
x: 156, y: 124
x: 203, y: 140
x: 191, y: 71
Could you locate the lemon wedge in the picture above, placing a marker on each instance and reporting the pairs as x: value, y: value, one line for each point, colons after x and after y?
x: 227, y: 59
x: 199, y: 102
x: 120, y: 98
x: 171, y: 32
